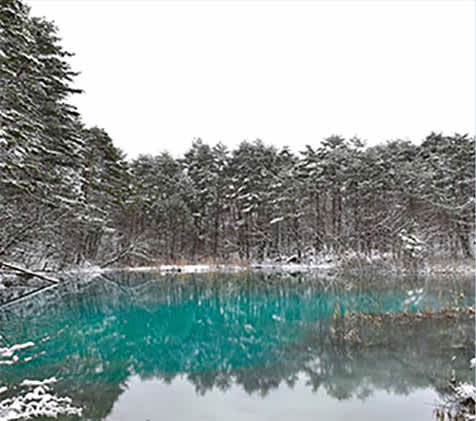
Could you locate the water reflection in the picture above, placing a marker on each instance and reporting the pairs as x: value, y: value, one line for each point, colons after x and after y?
x: 256, y: 332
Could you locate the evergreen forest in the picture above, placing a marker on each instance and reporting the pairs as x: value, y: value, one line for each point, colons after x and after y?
x: 69, y: 196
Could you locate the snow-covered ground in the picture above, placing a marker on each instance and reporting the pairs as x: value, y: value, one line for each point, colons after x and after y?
x: 30, y: 398
x: 8, y: 356
x: 460, y: 405
x: 234, y: 268
x: 36, y: 399
x: 460, y: 268
x: 206, y: 268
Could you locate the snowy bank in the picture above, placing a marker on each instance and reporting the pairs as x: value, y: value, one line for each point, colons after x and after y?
x: 8, y: 356
x: 36, y: 400
x: 460, y: 405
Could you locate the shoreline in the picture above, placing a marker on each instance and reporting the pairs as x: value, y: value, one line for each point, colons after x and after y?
x: 16, y: 285
x: 462, y: 267
x: 457, y: 268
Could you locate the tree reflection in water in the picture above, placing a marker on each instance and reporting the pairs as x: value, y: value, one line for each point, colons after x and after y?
x: 252, y: 330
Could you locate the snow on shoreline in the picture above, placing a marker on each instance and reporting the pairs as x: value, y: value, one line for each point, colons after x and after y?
x: 36, y: 400
x: 274, y: 267
x: 8, y: 352
x: 8, y: 356
x: 460, y: 404
x: 232, y: 268
x: 349, y: 261
x: 203, y: 268
x: 187, y: 268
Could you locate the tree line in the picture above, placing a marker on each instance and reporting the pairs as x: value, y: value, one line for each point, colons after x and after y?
x: 68, y: 195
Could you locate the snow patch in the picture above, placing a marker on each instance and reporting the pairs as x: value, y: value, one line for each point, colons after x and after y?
x: 39, y: 402
x: 466, y: 391
x: 295, y: 267
x: 460, y: 403
x: 27, y: 382
x: 10, y: 353
x: 186, y: 268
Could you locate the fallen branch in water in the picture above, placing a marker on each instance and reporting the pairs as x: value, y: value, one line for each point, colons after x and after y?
x: 29, y: 272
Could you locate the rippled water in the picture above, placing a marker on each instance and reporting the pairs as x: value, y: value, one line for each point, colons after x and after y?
x: 243, y: 346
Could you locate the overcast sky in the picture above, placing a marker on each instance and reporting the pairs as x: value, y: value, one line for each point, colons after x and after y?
x: 157, y: 74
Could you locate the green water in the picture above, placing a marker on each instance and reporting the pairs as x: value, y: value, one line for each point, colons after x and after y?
x: 245, y: 346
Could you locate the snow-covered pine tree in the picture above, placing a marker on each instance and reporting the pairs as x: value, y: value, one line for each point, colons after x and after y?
x: 39, y: 131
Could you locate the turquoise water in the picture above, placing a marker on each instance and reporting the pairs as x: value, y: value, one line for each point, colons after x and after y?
x: 246, y: 346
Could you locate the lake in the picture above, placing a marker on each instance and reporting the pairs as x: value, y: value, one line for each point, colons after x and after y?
x: 244, y: 346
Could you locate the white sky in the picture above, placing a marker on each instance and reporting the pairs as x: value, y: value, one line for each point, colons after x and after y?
x: 158, y: 74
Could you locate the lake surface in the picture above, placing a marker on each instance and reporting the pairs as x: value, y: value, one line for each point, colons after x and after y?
x: 247, y: 346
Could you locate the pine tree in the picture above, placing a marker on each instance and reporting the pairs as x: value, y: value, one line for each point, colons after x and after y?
x: 39, y: 132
